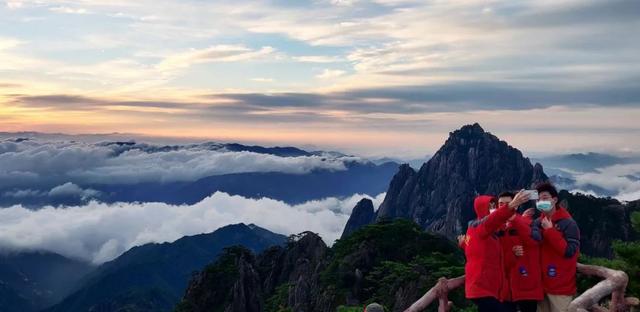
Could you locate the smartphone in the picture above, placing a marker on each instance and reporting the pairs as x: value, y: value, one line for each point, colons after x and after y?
x: 533, y: 194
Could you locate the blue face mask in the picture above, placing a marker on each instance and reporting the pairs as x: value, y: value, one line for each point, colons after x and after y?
x: 544, y: 205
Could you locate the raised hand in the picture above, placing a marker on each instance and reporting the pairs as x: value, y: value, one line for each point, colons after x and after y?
x: 520, y: 198
x: 461, y: 239
x: 546, y: 223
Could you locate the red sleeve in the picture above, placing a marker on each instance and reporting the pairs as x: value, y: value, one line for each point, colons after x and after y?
x: 555, y: 238
x: 495, y: 220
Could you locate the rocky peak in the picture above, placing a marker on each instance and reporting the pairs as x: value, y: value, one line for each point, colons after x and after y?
x: 466, y: 133
x: 361, y: 215
x: 538, y: 173
x: 397, y: 199
x: 231, y: 282
x: 239, y: 281
x: 439, y: 197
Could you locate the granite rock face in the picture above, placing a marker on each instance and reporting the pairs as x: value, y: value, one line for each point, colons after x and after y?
x: 361, y: 215
x: 440, y: 195
x: 391, y: 263
x: 241, y: 282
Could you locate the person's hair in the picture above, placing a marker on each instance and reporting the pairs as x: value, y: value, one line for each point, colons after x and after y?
x: 507, y: 194
x: 547, y: 187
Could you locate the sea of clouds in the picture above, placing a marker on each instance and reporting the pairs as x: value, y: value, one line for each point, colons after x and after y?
x: 99, y: 232
x: 621, y: 180
x: 36, y: 166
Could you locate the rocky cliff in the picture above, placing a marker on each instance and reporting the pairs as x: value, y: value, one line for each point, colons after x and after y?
x: 279, y: 277
x: 390, y: 263
x: 439, y: 196
x: 361, y: 215
x: 601, y: 220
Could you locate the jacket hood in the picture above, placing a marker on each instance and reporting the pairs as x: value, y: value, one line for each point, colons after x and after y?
x: 481, y: 205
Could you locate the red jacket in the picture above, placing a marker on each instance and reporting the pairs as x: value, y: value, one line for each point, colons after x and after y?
x: 484, y: 276
x: 560, y: 251
x: 522, y: 274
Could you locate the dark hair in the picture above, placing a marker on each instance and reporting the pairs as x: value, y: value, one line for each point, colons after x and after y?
x: 547, y: 187
x: 507, y: 194
x: 493, y: 200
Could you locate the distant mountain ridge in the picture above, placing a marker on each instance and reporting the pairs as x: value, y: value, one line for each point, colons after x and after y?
x: 153, y: 277
x: 585, y: 162
x: 284, y: 151
x: 32, y: 280
x: 334, y: 175
x: 362, y: 178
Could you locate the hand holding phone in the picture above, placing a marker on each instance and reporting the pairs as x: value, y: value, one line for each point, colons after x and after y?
x: 533, y: 194
x: 520, y: 198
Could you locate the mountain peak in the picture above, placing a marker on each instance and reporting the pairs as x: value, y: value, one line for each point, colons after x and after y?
x: 469, y: 134
x: 361, y: 215
x: 440, y: 195
x: 474, y: 128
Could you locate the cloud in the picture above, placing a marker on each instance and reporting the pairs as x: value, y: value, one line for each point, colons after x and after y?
x: 69, y: 10
x: 318, y: 59
x: 218, y: 53
x: 9, y: 85
x: 84, y: 103
x: 9, y: 43
x: 47, y: 163
x: 458, y: 96
x: 580, y: 13
x: 14, y: 4
x: 403, y: 60
x: 260, y: 79
x: 100, y: 232
x: 66, y: 190
x: 24, y: 193
x: 330, y: 73
x: 73, y: 190
x: 622, y: 180
x: 344, y: 2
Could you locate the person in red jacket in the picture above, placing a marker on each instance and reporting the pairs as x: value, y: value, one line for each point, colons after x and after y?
x: 521, y: 262
x: 560, y: 238
x: 484, y: 276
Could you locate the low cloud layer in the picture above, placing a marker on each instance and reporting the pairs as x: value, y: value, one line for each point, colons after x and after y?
x: 63, y: 190
x: 603, y: 175
x: 100, y: 232
x: 36, y: 164
x: 621, y: 180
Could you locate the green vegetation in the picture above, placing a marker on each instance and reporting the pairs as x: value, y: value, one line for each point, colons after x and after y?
x: 218, y: 276
x: 626, y: 258
x: 391, y: 263
x: 380, y: 260
x: 278, y: 301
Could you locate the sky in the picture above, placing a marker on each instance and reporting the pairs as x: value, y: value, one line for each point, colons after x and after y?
x: 377, y: 78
